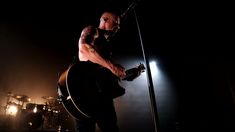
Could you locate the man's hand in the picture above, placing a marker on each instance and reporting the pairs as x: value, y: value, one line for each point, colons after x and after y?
x: 118, y: 70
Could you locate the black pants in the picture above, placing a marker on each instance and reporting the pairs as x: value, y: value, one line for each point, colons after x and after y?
x: 105, y: 117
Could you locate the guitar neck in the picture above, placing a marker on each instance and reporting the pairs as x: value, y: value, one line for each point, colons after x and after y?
x: 132, y: 73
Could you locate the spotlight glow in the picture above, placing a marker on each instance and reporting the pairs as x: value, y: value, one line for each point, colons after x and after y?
x: 153, y: 67
x: 11, y: 110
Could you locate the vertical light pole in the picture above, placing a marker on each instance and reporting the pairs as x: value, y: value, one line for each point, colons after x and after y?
x: 149, y: 79
x: 149, y: 76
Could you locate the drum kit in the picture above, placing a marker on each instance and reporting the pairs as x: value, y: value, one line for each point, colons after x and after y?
x: 29, y: 115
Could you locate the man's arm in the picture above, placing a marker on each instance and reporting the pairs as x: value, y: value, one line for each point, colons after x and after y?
x: 88, y: 52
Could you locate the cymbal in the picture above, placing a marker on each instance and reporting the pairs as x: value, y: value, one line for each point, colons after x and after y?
x: 48, y: 97
x: 23, y: 98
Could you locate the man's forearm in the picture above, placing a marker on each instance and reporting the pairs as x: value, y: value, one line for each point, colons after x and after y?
x: 89, y: 53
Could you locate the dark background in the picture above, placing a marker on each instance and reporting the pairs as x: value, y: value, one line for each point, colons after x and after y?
x: 188, y: 39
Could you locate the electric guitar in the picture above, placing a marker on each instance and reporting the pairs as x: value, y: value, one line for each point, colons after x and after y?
x: 79, y: 90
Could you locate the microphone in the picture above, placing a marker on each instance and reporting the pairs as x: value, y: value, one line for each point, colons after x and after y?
x: 123, y: 15
x: 131, y: 6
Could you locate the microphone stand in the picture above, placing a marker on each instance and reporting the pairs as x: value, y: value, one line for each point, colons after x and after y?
x: 149, y: 78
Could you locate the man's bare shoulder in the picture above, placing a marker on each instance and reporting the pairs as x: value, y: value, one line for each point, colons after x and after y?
x: 89, y: 29
x: 88, y: 35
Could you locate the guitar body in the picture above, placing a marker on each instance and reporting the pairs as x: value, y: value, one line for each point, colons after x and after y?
x: 83, y: 87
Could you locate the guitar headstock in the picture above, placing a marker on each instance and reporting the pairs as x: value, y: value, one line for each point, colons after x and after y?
x: 141, y: 67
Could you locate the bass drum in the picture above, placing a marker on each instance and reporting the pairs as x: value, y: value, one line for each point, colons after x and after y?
x: 31, y: 120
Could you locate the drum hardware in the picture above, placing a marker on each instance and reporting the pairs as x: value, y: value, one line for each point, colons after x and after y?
x: 15, y: 103
x: 47, y: 115
x: 22, y: 98
x: 35, y: 108
x: 53, y: 113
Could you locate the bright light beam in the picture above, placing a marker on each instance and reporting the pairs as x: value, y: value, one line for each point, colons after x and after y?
x: 153, y: 68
